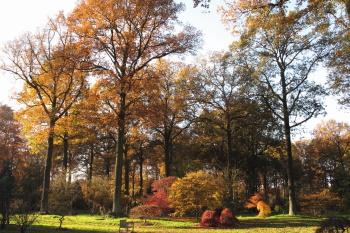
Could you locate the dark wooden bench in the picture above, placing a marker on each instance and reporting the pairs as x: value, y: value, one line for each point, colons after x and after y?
x: 126, y: 225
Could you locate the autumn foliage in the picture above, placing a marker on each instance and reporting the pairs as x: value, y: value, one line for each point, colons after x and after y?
x: 320, y: 203
x: 196, y: 192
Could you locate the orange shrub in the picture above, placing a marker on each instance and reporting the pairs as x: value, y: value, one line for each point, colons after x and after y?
x: 257, y: 202
x: 264, y: 209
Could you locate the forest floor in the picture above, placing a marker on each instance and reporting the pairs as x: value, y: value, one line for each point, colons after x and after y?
x: 96, y: 224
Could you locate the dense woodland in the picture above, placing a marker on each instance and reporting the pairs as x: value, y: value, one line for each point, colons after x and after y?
x: 108, y: 109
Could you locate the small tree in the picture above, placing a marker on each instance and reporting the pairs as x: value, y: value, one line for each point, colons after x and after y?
x: 23, y: 215
x: 62, y: 197
x: 194, y: 193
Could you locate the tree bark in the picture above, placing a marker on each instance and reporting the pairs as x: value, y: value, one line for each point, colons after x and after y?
x: 48, y: 165
x: 117, y: 205
x: 287, y: 133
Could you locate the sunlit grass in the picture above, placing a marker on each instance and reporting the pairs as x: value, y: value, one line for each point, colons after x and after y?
x: 85, y: 223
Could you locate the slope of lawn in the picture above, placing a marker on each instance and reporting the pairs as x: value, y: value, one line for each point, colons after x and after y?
x: 84, y: 223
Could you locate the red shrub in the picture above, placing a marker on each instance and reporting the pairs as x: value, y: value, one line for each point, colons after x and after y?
x: 227, y: 219
x: 160, y: 194
x: 211, y: 218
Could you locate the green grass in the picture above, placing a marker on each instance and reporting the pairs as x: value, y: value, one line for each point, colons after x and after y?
x: 84, y: 223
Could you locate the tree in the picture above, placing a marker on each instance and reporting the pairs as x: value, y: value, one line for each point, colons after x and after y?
x: 332, y: 145
x: 223, y: 87
x: 53, y: 66
x: 329, y: 15
x: 287, y: 49
x: 12, y: 145
x: 127, y: 36
x: 169, y: 109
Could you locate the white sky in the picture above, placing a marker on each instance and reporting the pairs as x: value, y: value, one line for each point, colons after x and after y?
x: 19, y: 16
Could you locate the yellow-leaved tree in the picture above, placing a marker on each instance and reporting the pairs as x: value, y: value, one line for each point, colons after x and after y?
x: 127, y: 35
x: 52, y: 64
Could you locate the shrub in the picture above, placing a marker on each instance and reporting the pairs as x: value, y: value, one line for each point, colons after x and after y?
x: 256, y: 202
x: 227, y: 219
x: 194, y: 193
x: 160, y: 194
x: 320, y: 203
x: 219, y: 218
x: 335, y: 224
x: 98, y: 195
x: 211, y: 218
x: 145, y: 212
x: 264, y: 209
x: 23, y: 215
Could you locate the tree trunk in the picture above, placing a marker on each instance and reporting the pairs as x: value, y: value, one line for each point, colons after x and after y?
x: 141, y: 172
x: 65, y: 153
x: 91, y: 162
x: 47, y: 174
x: 291, y: 186
x: 117, y: 205
x: 127, y: 177
x: 287, y: 133
x: 167, y: 159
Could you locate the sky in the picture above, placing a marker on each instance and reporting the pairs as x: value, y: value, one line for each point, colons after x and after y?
x: 20, y: 16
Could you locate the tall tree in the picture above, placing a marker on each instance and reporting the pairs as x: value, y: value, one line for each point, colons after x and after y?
x: 170, y: 111
x: 287, y: 48
x: 222, y: 87
x: 127, y: 35
x: 52, y: 65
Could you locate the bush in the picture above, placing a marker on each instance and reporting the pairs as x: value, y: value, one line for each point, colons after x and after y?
x: 264, y: 209
x: 145, y: 212
x: 256, y: 202
x: 335, y: 224
x: 160, y: 194
x: 211, y: 218
x: 219, y: 218
x: 227, y: 219
x: 98, y: 195
x: 194, y: 193
x: 23, y: 215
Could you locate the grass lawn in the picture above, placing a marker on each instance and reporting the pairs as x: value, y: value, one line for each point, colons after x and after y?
x: 96, y: 224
